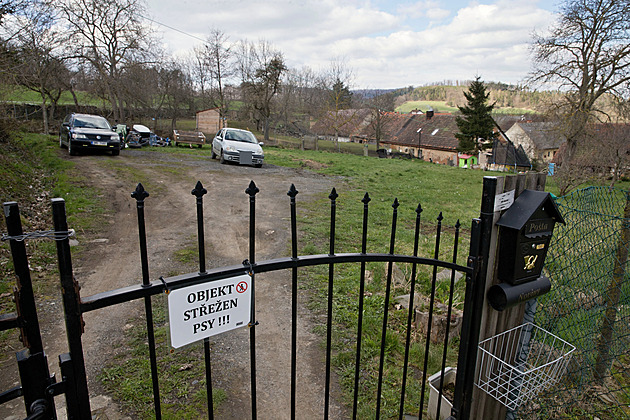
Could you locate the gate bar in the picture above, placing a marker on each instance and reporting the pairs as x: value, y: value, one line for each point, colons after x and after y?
x: 140, y: 194
x: 448, y: 319
x: 366, y: 199
x: 199, y: 191
x: 386, y: 309
x: 430, y: 319
x: 294, y: 297
x: 331, y: 274
x: 412, y: 292
x: 252, y: 190
x: 113, y: 297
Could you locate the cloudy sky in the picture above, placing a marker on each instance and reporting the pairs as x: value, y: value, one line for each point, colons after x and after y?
x: 387, y: 43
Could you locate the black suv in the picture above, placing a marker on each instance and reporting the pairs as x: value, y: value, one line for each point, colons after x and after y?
x: 84, y: 131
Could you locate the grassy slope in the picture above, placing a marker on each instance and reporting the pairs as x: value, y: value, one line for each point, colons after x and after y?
x: 453, y: 191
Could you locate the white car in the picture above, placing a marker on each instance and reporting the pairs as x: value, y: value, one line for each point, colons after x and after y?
x: 241, y: 146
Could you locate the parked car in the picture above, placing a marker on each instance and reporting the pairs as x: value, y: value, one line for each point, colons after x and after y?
x: 85, y: 131
x: 138, y: 136
x: 241, y: 146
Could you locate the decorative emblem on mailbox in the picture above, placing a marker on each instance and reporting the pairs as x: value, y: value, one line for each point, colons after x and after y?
x: 525, y: 232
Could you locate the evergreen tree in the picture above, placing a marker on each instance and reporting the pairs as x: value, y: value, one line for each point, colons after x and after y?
x: 476, y: 126
x: 340, y: 96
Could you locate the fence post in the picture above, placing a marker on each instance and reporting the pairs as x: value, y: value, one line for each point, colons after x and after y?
x: 32, y: 362
x: 74, y: 322
x: 480, y: 320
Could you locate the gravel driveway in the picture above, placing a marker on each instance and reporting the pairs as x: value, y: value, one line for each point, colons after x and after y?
x: 112, y: 260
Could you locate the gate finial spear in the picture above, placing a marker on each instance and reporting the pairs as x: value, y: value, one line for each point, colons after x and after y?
x: 366, y: 199
x: 419, y: 209
x: 440, y: 218
x: 252, y: 190
x: 199, y: 191
x: 395, y: 204
x: 139, y: 194
x: 333, y: 194
x: 292, y: 191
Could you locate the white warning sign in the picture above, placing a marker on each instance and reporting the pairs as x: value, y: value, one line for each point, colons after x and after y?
x: 504, y: 201
x: 208, y: 309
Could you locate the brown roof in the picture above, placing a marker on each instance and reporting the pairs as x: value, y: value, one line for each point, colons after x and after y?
x: 544, y: 135
x: 437, y: 132
x: 349, y: 122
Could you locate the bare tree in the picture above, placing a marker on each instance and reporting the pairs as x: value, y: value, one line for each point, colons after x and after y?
x: 337, y: 84
x: 381, y: 105
x: 261, y: 67
x: 587, y: 55
x: 176, y: 87
x: 221, y: 56
x: 37, y: 64
x: 108, y: 35
x: 212, y: 66
x: 300, y: 99
x: 612, y: 154
x: 9, y: 7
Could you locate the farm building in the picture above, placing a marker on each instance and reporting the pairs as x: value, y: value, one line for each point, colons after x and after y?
x: 347, y: 124
x: 540, y: 140
x: 209, y: 121
x: 430, y: 137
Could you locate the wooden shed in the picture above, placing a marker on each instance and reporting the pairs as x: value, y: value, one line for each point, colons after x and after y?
x: 209, y: 121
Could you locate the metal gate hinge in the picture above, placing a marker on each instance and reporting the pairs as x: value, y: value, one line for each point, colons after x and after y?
x: 57, y: 388
x: 77, y: 292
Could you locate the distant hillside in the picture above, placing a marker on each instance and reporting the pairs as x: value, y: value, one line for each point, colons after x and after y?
x: 443, y: 98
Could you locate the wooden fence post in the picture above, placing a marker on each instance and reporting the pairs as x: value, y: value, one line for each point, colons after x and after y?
x: 492, y: 321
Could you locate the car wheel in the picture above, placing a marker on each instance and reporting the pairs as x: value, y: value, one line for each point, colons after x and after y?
x: 222, y: 159
x: 213, y: 155
x: 71, y: 151
x: 258, y: 165
x: 115, y: 152
x: 60, y: 141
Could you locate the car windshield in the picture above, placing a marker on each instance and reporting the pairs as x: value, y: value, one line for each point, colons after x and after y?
x: 89, y: 121
x: 244, y: 136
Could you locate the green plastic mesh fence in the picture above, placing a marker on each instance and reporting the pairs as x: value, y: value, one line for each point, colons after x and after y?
x: 589, y: 306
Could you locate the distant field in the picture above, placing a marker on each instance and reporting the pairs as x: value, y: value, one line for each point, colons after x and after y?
x: 438, y: 106
x: 513, y: 111
x: 23, y: 95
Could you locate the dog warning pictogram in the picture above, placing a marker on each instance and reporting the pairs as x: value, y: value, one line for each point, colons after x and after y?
x: 241, y: 287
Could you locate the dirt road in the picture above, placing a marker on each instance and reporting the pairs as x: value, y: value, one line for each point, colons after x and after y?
x: 111, y: 260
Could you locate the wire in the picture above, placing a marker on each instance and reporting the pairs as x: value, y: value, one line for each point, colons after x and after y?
x: 173, y: 29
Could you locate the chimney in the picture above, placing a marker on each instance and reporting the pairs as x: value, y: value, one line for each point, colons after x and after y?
x: 429, y: 113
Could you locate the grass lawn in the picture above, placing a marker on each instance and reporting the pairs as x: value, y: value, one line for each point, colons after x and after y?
x: 23, y: 95
x: 454, y: 192
x: 438, y: 106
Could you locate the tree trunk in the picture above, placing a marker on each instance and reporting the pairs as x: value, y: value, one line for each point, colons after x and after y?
x: 266, y: 130
x: 602, y: 364
x: 44, y: 113
x: 74, y: 97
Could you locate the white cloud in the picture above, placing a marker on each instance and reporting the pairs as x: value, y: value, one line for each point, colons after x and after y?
x: 429, y: 8
x: 491, y: 40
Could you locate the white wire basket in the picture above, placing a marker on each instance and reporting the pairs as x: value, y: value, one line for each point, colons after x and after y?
x: 518, y: 364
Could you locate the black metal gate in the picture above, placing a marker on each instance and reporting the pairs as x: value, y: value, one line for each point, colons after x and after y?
x: 38, y: 388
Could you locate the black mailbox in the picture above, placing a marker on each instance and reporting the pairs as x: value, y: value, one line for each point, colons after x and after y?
x: 525, y: 232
